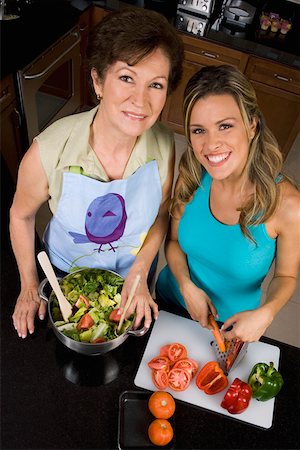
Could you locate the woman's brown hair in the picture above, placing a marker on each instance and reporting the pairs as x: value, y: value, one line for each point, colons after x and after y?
x: 130, y: 35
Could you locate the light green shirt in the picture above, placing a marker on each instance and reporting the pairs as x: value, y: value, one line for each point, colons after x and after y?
x: 65, y: 143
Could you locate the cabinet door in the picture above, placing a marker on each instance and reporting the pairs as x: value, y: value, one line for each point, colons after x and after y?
x: 197, y: 54
x: 11, y: 146
x: 278, y: 94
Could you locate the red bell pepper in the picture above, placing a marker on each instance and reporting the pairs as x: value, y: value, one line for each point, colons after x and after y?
x: 237, y: 397
x: 211, y: 379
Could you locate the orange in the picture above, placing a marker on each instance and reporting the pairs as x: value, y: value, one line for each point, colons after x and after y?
x: 161, y: 405
x: 160, y: 432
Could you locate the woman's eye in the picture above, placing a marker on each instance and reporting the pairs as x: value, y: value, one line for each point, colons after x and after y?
x: 126, y: 78
x: 225, y: 126
x: 197, y: 131
x: 156, y: 85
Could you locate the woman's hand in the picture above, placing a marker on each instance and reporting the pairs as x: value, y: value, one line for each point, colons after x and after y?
x: 142, y: 302
x: 28, y: 305
x: 198, y: 304
x: 248, y: 326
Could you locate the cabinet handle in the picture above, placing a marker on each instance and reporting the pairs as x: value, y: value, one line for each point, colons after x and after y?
x: 210, y: 55
x: 17, y: 118
x: 81, y: 29
x: 53, y: 63
x: 282, y: 78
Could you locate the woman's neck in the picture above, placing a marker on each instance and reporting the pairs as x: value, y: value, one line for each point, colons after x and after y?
x: 111, y: 148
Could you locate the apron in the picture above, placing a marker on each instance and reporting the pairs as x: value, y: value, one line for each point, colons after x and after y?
x: 103, y: 224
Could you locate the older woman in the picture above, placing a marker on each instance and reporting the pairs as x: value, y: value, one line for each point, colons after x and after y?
x: 106, y: 173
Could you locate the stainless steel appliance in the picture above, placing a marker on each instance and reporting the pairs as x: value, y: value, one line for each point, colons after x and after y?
x: 49, y: 87
x: 193, y: 16
x: 239, y: 13
x: 202, y: 7
x: 191, y: 24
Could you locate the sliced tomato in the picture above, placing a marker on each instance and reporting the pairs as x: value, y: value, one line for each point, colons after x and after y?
x: 85, y: 322
x: 115, y: 316
x: 164, y: 350
x: 196, y: 366
x: 98, y: 340
x: 179, y: 379
x: 188, y: 364
x: 160, y: 379
x: 177, y: 351
x: 159, y: 363
x: 82, y: 300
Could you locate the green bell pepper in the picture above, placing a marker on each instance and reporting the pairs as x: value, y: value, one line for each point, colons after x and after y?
x: 265, y: 381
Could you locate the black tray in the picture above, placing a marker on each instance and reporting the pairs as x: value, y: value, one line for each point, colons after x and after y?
x: 134, y: 420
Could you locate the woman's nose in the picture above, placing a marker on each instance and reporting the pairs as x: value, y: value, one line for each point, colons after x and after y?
x: 139, y: 96
x: 212, y: 141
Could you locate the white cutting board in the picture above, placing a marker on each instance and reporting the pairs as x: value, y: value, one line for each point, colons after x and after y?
x: 172, y: 328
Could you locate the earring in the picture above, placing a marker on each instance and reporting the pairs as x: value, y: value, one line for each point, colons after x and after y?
x: 99, y: 97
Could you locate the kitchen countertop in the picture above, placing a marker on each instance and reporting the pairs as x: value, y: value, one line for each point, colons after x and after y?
x: 53, y: 398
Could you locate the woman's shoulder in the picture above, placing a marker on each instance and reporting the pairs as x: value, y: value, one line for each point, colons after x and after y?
x: 288, y: 211
x: 163, y: 135
x: 62, y: 128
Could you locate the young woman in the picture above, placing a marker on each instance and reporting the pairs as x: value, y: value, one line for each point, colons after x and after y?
x: 106, y: 173
x: 233, y: 211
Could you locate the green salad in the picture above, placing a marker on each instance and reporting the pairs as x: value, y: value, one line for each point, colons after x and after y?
x: 95, y: 296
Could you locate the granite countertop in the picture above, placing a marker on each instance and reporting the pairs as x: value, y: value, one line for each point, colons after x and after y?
x: 53, y: 398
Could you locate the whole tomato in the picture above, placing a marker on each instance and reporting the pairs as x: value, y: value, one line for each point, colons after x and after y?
x: 160, y: 432
x: 161, y: 405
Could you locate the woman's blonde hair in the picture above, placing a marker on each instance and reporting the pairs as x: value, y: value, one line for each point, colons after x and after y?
x: 265, y: 160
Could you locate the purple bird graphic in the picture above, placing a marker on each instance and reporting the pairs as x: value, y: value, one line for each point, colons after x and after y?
x: 105, y: 221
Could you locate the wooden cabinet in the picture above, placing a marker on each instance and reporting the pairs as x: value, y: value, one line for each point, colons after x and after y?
x: 11, y: 145
x: 278, y: 93
x: 84, y: 28
x: 197, y: 54
x: 95, y: 15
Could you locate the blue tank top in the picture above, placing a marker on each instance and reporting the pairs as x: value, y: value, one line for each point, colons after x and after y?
x: 222, y: 261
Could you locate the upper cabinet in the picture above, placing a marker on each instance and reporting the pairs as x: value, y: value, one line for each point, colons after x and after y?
x: 277, y: 87
x: 197, y: 54
x: 278, y: 93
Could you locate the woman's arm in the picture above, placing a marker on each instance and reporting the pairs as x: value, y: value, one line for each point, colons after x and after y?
x: 197, y: 301
x: 251, y: 325
x: 31, y: 193
x: 143, y: 301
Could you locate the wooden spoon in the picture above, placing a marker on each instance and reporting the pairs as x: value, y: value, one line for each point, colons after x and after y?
x: 65, y: 307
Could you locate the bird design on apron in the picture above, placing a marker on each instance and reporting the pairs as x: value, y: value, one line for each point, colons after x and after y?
x: 104, y: 222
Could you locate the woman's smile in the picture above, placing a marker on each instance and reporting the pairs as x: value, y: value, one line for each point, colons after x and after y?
x: 217, y: 159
